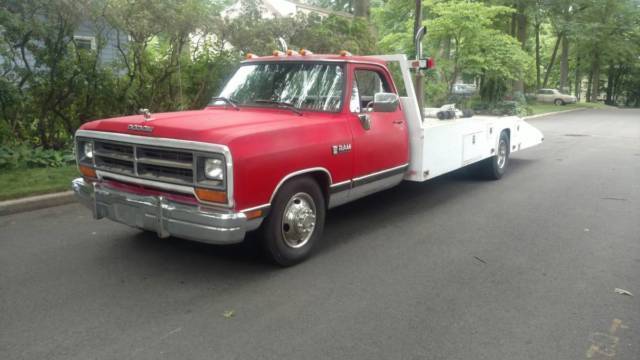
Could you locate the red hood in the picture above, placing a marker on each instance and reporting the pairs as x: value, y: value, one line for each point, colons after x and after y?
x: 217, y: 125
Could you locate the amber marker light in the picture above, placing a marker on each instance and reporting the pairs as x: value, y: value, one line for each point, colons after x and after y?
x: 345, y: 53
x: 292, y: 52
x: 211, y: 195
x: 277, y: 53
x: 305, y: 52
x: 87, y: 172
x: 251, y: 56
x: 253, y: 214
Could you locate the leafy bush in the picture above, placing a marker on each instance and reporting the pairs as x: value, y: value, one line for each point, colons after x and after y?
x: 25, y: 156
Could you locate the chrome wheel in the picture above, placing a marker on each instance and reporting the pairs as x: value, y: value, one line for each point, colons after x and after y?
x: 502, y: 154
x: 299, y: 220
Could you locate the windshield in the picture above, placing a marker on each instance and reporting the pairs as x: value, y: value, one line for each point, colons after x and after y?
x: 304, y: 86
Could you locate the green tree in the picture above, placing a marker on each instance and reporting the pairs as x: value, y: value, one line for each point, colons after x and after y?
x: 478, y: 49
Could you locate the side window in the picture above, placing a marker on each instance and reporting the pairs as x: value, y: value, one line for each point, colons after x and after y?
x: 368, y: 83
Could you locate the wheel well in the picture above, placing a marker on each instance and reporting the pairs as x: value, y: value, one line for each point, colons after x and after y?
x: 324, y: 182
x: 321, y: 177
x: 508, y: 132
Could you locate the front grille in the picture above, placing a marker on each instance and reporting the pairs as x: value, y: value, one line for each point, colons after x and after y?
x: 160, y: 164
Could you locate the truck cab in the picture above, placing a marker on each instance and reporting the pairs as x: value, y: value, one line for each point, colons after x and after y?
x: 288, y: 137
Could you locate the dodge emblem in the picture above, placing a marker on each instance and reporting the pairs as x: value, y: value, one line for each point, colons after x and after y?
x: 341, y: 148
x: 136, y: 127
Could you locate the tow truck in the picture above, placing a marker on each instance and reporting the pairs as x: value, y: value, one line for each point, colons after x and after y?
x: 290, y: 136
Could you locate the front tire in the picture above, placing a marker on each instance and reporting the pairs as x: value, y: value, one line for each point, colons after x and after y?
x: 559, y: 102
x: 295, y: 223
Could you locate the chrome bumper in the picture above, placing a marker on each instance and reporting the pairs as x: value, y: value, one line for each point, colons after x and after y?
x: 165, y: 217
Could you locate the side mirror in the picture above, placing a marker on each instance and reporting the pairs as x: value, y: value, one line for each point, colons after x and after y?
x: 385, y: 102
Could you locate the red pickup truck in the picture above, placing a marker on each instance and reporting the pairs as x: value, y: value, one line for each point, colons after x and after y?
x: 286, y: 139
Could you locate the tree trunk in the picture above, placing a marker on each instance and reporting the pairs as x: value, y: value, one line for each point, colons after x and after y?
x: 588, y: 95
x: 595, y: 82
x: 578, y: 84
x: 361, y: 8
x: 552, y: 60
x: 538, y: 62
x: 610, y: 85
x: 564, y: 65
x: 518, y: 85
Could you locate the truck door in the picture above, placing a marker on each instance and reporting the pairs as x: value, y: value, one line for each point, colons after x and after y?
x: 384, y: 145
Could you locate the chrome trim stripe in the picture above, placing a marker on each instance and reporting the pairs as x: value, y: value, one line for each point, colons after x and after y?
x: 401, y: 167
x: 157, y: 184
x: 341, y: 183
x: 363, y: 180
x: 259, y: 207
x: 341, y: 186
x: 296, y: 173
x: 170, y: 143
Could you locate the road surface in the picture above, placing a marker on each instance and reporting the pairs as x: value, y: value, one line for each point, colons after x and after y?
x: 456, y: 268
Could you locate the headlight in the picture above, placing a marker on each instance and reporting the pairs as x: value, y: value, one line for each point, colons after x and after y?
x: 88, y: 150
x: 214, y: 169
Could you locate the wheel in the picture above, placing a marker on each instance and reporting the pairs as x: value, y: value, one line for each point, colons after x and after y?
x: 559, y: 102
x: 494, y: 167
x: 295, y: 223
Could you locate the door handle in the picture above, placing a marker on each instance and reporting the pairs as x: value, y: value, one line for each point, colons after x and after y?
x: 398, y: 121
x: 365, y: 121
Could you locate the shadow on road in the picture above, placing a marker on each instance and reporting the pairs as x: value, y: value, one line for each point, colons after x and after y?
x: 362, y: 217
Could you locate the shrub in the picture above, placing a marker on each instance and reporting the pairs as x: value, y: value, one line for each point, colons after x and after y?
x: 25, y: 156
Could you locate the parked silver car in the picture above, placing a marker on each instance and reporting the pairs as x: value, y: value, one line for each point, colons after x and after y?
x: 463, y: 89
x: 554, y: 96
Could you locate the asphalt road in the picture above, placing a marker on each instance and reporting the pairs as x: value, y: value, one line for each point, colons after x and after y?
x: 456, y: 268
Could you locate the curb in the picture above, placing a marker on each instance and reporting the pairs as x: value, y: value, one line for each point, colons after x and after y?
x: 552, y: 113
x: 35, y: 202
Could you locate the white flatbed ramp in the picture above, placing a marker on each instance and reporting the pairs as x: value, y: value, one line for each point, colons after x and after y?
x: 441, y: 146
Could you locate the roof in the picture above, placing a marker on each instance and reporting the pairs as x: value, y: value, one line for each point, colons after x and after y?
x: 319, y: 57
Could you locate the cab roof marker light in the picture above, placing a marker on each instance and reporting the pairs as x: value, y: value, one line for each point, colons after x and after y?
x: 292, y: 52
x: 251, y: 56
x: 305, y: 52
x: 345, y: 53
x: 278, y: 53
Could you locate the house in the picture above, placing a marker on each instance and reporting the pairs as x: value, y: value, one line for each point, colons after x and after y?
x: 282, y: 8
x: 87, y: 34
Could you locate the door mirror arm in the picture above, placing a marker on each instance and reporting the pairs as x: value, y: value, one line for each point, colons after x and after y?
x: 365, y: 121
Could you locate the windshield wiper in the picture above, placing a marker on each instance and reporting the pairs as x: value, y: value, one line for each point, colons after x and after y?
x: 225, y: 99
x: 281, y: 104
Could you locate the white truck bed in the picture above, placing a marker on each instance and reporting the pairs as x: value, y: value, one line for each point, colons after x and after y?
x: 441, y: 146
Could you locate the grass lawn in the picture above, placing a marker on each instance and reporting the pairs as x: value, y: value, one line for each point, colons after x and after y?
x: 26, y: 182
x: 542, y: 108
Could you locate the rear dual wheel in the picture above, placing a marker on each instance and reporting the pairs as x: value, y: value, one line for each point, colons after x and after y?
x: 295, y: 223
x: 495, y: 166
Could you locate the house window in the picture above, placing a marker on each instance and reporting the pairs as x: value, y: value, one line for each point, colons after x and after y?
x: 85, y: 42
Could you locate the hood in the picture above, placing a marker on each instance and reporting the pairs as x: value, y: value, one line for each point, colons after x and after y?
x: 217, y: 125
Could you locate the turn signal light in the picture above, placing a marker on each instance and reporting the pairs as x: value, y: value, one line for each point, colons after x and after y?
x: 211, y: 195
x: 87, y: 171
x: 253, y: 214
